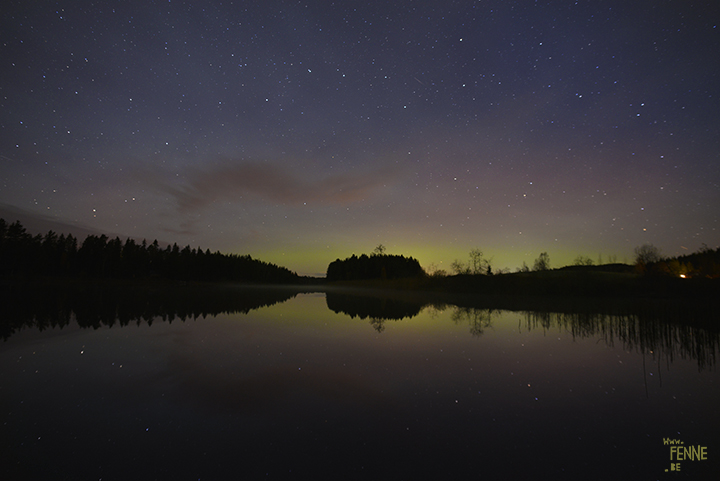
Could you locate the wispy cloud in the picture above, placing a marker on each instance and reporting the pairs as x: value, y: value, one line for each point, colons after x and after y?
x: 266, y: 181
x: 38, y: 223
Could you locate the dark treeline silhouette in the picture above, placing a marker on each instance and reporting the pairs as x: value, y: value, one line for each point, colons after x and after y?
x: 611, y: 268
x: 581, y: 282
x: 374, y: 266
x: 22, y: 254
x: 704, y: 263
x: 96, y: 305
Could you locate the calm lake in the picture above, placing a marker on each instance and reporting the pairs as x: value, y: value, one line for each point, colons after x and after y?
x: 253, y: 383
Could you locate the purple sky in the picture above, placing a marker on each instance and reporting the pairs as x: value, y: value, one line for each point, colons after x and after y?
x: 300, y: 132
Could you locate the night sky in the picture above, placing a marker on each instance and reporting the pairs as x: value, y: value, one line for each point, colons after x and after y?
x: 300, y: 132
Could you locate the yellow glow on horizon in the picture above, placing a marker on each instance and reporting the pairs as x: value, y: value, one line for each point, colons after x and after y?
x: 312, y: 259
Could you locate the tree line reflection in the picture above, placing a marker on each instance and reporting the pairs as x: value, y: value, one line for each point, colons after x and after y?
x: 645, y: 331
x: 666, y: 330
x: 93, y: 306
x: 377, y: 309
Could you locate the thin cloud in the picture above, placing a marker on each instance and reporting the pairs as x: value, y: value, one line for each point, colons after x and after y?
x: 265, y: 181
x: 37, y: 223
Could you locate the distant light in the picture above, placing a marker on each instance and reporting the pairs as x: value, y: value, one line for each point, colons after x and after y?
x: 682, y: 275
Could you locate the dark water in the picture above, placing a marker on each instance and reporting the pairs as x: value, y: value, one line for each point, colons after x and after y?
x: 287, y: 385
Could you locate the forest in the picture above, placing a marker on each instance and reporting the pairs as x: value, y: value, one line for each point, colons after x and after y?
x: 23, y: 255
x: 704, y: 263
x: 377, y: 265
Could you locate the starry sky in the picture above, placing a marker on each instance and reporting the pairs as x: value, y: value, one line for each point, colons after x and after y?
x: 302, y: 132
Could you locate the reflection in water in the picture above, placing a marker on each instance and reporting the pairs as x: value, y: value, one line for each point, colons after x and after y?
x: 46, y: 307
x: 478, y: 319
x: 378, y: 308
x: 639, y: 331
x: 297, y: 390
x: 665, y: 330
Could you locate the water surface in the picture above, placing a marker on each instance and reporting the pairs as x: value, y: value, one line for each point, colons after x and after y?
x: 316, y: 384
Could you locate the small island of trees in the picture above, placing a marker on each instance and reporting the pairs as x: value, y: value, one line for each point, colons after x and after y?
x: 377, y: 265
